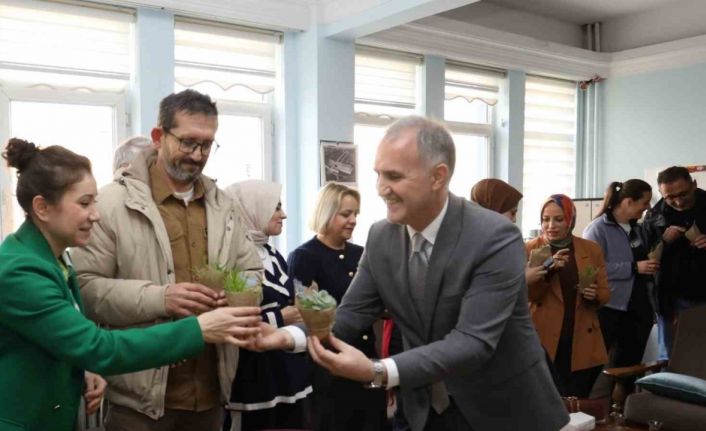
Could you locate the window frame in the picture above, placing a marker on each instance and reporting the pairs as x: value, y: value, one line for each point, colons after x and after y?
x: 15, y: 93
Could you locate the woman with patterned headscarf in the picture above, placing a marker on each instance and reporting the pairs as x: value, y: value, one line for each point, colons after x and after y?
x: 571, y: 335
x: 270, y: 388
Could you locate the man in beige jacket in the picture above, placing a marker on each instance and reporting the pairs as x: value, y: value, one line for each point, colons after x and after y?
x: 160, y: 221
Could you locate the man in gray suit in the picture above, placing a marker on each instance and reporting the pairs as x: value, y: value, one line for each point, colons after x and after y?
x: 451, y: 274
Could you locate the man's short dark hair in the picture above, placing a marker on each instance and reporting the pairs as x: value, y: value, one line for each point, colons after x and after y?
x: 672, y: 174
x: 189, y: 101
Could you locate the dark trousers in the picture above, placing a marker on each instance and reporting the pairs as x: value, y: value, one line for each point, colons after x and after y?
x: 571, y: 383
x: 450, y: 420
x: 626, y: 332
x: 121, y: 418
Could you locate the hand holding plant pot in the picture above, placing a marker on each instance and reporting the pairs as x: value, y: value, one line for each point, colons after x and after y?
x: 318, y: 310
x: 242, y: 290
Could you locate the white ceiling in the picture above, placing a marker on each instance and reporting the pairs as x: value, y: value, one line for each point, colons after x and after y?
x: 584, y: 11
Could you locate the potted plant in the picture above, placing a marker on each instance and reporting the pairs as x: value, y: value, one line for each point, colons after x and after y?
x: 587, y: 277
x: 242, y: 290
x: 212, y: 275
x: 318, y: 310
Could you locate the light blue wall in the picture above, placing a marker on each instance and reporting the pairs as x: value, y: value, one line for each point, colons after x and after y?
x: 653, y: 120
x: 319, y: 106
x: 432, y: 85
x: 510, y: 129
x: 154, y: 66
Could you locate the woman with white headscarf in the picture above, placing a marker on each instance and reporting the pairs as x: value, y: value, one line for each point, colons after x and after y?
x: 270, y: 388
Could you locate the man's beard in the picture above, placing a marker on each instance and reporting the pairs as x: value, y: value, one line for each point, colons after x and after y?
x: 179, y: 174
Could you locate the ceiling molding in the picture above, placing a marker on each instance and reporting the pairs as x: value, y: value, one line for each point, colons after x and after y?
x: 475, y: 44
x: 663, y: 56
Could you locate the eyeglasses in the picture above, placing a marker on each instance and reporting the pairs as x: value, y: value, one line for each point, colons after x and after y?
x: 188, y: 145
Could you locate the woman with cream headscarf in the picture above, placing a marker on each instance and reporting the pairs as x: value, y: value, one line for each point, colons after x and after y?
x: 270, y: 388
x: 570, y: 335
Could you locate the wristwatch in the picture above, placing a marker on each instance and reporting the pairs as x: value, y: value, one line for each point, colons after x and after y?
x: 378, y: 376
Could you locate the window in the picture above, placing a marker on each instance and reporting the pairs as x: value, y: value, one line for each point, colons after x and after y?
x: 64, y: 72
x: 237, y: 68
x: 470, y: 96
x: 74, y: 126
x: 550, y: 144
x: 385, y: 89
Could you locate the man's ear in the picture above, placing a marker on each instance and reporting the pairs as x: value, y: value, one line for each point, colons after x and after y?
x: 41, y: 208
x: 440, y: 176
x: 156, y: 135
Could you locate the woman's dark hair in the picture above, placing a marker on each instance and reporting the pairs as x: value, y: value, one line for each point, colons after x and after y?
x: 48, y: 172
x: 617, y: 192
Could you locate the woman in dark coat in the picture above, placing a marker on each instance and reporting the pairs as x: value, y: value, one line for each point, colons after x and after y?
x: 331, y: 261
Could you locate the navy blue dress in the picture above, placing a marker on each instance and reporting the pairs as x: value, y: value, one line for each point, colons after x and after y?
x: 338, y: 403
x: 270, y: 387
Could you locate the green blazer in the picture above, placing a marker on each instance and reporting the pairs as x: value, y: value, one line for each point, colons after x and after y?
x: 46, y: 343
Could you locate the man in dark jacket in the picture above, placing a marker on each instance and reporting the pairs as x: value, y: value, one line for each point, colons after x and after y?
x: 678, y: 221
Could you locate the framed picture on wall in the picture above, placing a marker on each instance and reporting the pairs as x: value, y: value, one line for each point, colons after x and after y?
x: 338, y: 162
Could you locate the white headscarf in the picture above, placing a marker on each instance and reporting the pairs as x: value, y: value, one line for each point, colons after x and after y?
x: 258, y: 200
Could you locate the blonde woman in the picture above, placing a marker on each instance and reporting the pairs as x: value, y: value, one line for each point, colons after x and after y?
x: 332, y: 261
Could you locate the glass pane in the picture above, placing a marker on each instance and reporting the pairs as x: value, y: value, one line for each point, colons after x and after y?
x: 471, y: 163
x: 460, y: 110
x: 84, y: 129
x: 549, y: 146
x: 241, y: 153
x: 372, y: 207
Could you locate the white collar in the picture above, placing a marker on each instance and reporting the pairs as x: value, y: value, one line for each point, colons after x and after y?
x: 186, y: 196
x: 429, y: 233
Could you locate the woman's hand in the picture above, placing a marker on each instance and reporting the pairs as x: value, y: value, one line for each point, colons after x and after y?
x: 534, y: 274
x: 589, y: 293
x: 234, y: 325
x: 561, y: 258
x: 95, y: 390
x: 647, y: 266
x: 290, y: 315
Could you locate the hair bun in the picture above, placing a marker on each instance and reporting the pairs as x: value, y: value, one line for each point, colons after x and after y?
x: 19, y: 153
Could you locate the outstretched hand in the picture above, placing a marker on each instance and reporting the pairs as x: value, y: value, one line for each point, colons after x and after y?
x: 233, y: 325
x: 270, y: 338
x: 348, y: 362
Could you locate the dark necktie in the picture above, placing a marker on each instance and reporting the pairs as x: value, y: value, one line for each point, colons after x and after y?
x: 418, y: 267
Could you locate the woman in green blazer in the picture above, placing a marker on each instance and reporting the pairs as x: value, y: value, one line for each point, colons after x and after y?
x: 46, y: 343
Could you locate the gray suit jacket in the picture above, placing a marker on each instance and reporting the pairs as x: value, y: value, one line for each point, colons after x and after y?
x: 475, y: 332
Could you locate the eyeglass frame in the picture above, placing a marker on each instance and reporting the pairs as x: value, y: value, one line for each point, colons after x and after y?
x: 196, y: 145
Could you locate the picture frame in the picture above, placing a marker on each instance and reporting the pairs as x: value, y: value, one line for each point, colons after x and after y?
x: 339, y: 162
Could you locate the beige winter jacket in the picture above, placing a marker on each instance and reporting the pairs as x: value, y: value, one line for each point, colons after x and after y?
x: 126, y: 267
